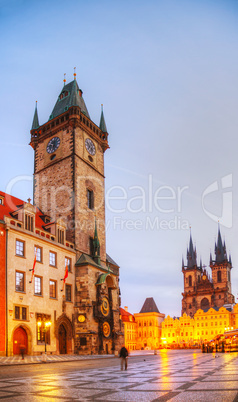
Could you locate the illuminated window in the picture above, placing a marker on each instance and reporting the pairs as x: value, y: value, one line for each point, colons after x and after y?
x: 52, y: 289
x: 20, y: 313
x: 38, y: 286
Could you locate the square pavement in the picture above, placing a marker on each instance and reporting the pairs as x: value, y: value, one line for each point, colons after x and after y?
x: 170, y: 375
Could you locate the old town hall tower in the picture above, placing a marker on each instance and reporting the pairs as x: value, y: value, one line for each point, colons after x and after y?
x: 202, y: 291
x: 69, y: 188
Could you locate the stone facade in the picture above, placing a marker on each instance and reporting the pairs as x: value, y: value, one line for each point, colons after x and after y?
x: 69, y: 184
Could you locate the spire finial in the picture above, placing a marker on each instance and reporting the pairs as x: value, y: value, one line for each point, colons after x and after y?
x: 101, y: 107
x: 75, y: 73
x: 64, y: 78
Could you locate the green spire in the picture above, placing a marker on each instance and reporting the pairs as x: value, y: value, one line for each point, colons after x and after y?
x: 96, y: 245
x: 102, y: 124
x: 70, y: 95
x: 35, y: 123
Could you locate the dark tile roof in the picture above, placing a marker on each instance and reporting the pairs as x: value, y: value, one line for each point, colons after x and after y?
x: 149, y: 306
x: 111, y: 261
x: 74, y: 98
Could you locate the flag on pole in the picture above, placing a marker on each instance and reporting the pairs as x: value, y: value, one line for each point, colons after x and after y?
x: 66, y: 273
x: 33, y: 269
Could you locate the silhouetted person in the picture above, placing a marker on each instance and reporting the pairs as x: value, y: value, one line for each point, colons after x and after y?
x: 22, y: 351
x: 123, y: 355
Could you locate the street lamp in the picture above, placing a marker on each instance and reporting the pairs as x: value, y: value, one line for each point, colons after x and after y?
x: 45, y: 325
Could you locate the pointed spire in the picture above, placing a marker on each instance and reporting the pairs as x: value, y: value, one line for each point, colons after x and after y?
x: 191, y: 254
x: 35, y: 123
x: 64, y: 79
x: 230, y: 262
x: 182, y: 263
x: 102, y: 124
x: 210, y: 257
x: 200, y: 263
x: 96, y: 245
x: 220, y: 249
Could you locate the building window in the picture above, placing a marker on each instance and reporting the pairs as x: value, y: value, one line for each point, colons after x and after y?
x: 38, y: 253
x: 229, y: 276
x: 20, y: 313
x: 61, y: 236
x: 52, y: 259
x: 218, y: 276
x: 90, y: 199
x: 20, y: 248
x: 68, y: 293
x: 190, y: 280
x: 68, y: 262
x: 38, y: 286
x: 219, y: 296
x: 20, y: 281
x: 29, y: 222
x: 52, y: 289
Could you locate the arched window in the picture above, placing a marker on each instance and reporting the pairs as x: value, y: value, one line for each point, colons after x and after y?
x: 205, y: 303
x: 218, y: 276
x: 190, y: 280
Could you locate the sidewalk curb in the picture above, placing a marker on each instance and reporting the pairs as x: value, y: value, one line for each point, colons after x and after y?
x: 53, y: 361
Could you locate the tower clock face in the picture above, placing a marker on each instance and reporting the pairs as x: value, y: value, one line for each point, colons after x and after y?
x: 105, y: 306
x: 90, y: 146
x: 52, y: 145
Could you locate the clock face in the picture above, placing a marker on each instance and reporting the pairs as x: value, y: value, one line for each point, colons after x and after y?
x: 52, y: 145
x: 106, y: 329
x: 81, y: 318
x: 105, y: 306
x: 90, y: 146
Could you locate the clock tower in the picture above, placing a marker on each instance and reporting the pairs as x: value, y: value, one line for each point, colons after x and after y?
x: 69, y: 185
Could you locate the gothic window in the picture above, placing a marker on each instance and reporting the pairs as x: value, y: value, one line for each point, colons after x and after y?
x: 218, y: 276
x: 190, y: 306
x: 60, y: 236
x: 190, y: 280
x: 229, y: 276
x: 20, y: 313
x: 52, y: 259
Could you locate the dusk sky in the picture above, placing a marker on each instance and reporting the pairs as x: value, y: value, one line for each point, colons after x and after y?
x: 166, y: 72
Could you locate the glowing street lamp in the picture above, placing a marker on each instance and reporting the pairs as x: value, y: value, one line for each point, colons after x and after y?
x: 45, y: 325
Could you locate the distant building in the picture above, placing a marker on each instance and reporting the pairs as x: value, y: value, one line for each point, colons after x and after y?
x: 130, y: 328
x: 148, y: 321
x: 202, y: 291
x: 186, y: 331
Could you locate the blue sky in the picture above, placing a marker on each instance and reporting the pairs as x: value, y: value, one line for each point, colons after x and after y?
x: 166, y: 72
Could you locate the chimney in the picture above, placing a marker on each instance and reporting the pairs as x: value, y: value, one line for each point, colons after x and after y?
x: 126, y: 308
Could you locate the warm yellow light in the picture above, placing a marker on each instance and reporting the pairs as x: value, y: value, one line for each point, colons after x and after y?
x: 48, y: 323
x: 39, y: 323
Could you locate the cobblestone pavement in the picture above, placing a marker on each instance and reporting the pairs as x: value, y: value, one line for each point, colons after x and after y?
x: 17, y: 359
x: 171, y: 375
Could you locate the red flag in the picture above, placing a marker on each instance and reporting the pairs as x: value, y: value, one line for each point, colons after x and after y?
x: 33, y: 269
x: 66, y: 273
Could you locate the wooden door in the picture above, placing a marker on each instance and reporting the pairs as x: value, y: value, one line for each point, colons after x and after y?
x: 62, y: 340
x: 19, y: 339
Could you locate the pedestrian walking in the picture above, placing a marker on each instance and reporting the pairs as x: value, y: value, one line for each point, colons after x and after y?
x: 124, y: 356
x: 22, y: 350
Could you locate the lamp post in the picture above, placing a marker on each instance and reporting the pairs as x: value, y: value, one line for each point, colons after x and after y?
x: 45, y: 325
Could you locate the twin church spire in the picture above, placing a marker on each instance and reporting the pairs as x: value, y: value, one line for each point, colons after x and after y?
x: 220, y: 253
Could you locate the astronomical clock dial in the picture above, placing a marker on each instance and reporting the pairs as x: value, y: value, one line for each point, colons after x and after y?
x: 81, y: 318
x: 105, y: 306
x: 106, y: 329
x: 52, y: 145
x: 90, y: 146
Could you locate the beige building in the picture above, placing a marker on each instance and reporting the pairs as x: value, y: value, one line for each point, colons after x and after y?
x: 149, y: 324
x: 36, y: 298
x: 130, y: 329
